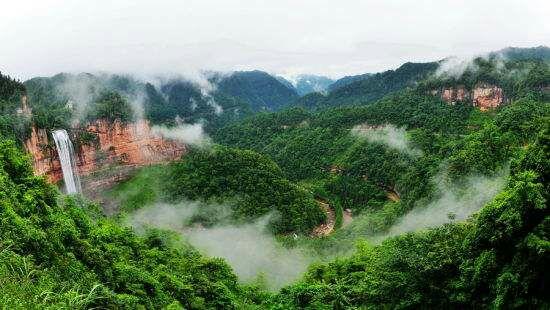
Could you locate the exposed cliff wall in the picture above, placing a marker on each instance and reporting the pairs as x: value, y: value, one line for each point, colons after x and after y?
x: 453, y: 95
x: 102, y: 144
x: 486, y: 96
x: 45, y: 160
x: 483, y: 95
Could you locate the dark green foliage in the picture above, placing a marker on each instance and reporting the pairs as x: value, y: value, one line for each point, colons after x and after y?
x: 259, y: 89
x: 12, y: 124
x: 50, y: 108
x: 376, y: 86
x: 518, y: 53
x: 346, y: 80
x: 355, y: 193
x: 63, y: 248
x: 57, y: 100
x: 184, y: 99
x: 111, y: 106
x: 308, y: 145
x: 10, y: 89
x: 524, y: 118
x: 254, y: 182
x: 310, y: 101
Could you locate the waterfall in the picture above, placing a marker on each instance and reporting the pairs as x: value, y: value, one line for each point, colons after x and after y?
x: 66, y: 157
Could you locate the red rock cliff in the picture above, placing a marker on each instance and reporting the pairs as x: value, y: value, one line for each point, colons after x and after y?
x: 486, y: 96
x: 111, y: 144
x: 483, y: 95
x: 453, y: 95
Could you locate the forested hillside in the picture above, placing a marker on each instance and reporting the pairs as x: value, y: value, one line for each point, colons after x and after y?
x: 58, y: 251
x: 259, y: 89
x: 65, y: 98
x: 366, y: 89
x: 13, y: 125
x: 385, y: 193
x: 309, y: 83
x: 346, y: 80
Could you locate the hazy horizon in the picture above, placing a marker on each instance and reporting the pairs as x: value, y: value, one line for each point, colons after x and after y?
x: 285, y: 38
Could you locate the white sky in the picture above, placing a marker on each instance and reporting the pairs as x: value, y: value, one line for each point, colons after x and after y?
x: 334, y: 38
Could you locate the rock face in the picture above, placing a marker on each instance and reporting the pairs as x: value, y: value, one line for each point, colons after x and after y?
x: 483, y: 95
x: 453, y: 95
x: 101, y: 145
x: 45, y: 160
x: 487, y: 96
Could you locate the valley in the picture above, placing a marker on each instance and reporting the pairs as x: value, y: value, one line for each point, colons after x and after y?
x: 423, y: 186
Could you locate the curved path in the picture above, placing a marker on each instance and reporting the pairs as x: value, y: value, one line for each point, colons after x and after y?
x: 325, y: 228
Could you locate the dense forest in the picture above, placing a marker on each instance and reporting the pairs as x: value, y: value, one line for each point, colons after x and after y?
x: 435, y: 205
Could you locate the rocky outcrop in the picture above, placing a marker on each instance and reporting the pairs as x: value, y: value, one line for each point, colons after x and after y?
x: 486, y: 96
x: 100, y: 145
x: 45, y: 160
x: 483, y: 95
x: 454, y: 95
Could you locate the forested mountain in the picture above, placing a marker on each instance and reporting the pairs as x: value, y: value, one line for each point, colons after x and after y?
x: 397, y: 190
x: 346, y: 80
x: 259, y: 89
x: 58, y: 100
x: 374, y: 87
x: 13, y: 125
x: 316, y: 149
x: 518, y: 53
x: 309, y: 83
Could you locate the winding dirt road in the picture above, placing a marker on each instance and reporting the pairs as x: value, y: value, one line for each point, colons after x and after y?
x: 325, y: 228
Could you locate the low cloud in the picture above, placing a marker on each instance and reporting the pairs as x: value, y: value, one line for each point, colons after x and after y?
x: 82, y: 89
x: 455, y: 66
x: 252, y: 252
x: 249, y: 248
x: 389, y: 135
x: 192, y: 134
x: 456, y: 202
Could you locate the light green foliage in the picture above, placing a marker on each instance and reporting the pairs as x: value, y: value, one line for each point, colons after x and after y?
x: 499, y: 259
x: 63, y: 253
x: 144, y: 188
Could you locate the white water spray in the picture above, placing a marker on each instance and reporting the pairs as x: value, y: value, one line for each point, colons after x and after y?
x: 66, y: 157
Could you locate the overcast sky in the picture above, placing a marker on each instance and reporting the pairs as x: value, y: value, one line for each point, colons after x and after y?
x: 288, y: 37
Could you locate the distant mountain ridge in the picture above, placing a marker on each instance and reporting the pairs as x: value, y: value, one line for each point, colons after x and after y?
x: 368, y: 88
x: 346, y: 80
x: 520, y: 53
x: 308, y: 83
x: 259, y: 89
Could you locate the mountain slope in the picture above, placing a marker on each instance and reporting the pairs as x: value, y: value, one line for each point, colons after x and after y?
x: 259, y: 89
x: 519, y: 53
x: 346, y: 80
x: 57, y: 100
x: 375, y: 86
x: 309, y: 83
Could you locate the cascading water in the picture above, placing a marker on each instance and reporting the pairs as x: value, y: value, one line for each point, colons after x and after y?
x: 66, y: 157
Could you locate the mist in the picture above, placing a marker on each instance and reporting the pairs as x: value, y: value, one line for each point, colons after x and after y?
x: 389, y: 135
x: 455, y: 202
x: 82, y: 89
x: 192, y: 134
x: 249, y: 248
x: 455, y: 66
